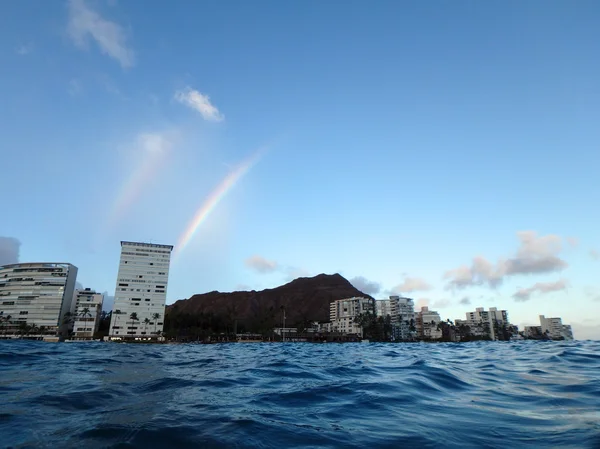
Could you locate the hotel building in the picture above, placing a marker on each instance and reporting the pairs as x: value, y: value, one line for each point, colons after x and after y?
x: 343, y: 312
x: 484, y: 323
x: 36, y: 296
x: 141, y: 290
x: 555, y: 329
x: 88, y: 310
x: 402, y: 314
x: 427, y: 324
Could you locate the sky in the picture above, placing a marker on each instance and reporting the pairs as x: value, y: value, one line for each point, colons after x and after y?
x: 445, y: 151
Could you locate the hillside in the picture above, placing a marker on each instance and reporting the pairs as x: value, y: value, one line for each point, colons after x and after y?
x: 304, y: 299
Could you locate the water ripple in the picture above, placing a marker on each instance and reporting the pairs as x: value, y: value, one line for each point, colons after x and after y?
x: 479, y: 395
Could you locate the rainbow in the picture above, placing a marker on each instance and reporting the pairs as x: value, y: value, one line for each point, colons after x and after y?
x: 155, y: 151
x: 215, y: 197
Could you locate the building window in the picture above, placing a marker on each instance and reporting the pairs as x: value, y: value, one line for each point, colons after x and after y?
x: 23, y: 312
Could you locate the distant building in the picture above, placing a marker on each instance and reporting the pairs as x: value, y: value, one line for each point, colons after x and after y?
x: 553, y: 328
x: 402, y: 314
x: 343, y: 313
x: 141, y: 290
x: 426, y: 322
x: 88, y: 310
x: 487, y: 324
x: 35, y: 298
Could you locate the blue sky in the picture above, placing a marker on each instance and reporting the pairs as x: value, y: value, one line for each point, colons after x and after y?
x: 447, y: 151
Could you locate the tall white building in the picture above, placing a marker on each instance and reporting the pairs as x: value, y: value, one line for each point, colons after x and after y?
x: 141, y: 290
x: 343, y: 312
x: 555, y: 329
x: 485, y: 323
x: 36, y: 295
x: 88, y: 309
x: 402, y: 314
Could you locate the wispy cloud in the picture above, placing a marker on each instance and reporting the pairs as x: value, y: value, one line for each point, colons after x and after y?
x: 465, y: 301
x: 441, y: 303
x: 365, y: 286
x: 573, y: 242
x: 75, y: 87
x: 535, y: 255
x: 200, y: 103
x: 595, y: 254
x: 24, y: 49
x: 410, y: 285
x: 261, y: 265
x: 9, y: 250
x: 524, y: 294
x: 85, y: 23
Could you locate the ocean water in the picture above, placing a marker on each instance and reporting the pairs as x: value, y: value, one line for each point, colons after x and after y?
x: 483, y: 395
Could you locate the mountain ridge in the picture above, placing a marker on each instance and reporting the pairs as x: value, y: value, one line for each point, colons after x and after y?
x: 305, y: 299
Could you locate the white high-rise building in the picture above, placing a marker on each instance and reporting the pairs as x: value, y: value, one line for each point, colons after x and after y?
x: 141, y: 290
x: 402, y: 314
x: 343, y: 312
x: 88, y: 309
x: 485, y: 323
x: 555, y: 329
x: 35, y: 297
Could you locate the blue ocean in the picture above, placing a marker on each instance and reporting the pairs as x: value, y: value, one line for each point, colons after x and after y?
x: 480, y: 395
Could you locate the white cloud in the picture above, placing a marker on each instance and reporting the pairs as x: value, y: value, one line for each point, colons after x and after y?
x: 365, y: 286
x: 573, y: 242
x: 535, y: 255
x: 441, y: 303
x: 9, y: 250
x: 24, y: 50
x: 84, y: 23
x: 411, y: 284
x: 199, y: 102
x: 154, y: 143
x: 524, y: 294
x: 261, y: 265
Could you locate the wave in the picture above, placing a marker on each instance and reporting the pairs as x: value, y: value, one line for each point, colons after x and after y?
x: 482, y: 394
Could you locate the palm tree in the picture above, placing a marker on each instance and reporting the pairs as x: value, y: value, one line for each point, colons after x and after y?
x: 146, y: 322
x: 5, y: 321
x: 117, y: 312
x: 23, y: 328
x: 133, y: 317
x: 155, y: 318
x: 85, y: 313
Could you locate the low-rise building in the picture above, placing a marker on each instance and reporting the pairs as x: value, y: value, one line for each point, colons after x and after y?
x: 88, y: 310
x: 343, y: 314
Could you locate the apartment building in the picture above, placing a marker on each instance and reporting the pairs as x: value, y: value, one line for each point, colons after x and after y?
x: 35, y: 297
x: 426, y: 322
x: 343, y: 312
x: 402, y: 314
x: 555, y: 329
x: 141, y: 290
x: 484, y: 323
x: 88, y: 311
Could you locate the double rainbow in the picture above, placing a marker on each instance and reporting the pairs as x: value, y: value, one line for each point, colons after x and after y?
x: 215, y: 197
